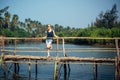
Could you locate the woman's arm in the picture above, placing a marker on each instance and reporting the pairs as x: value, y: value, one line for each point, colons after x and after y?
x: 54, y: 34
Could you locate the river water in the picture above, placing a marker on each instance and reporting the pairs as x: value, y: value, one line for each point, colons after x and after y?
x: 79, y: 71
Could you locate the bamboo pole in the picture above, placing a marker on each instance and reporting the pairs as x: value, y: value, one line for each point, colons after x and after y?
x: 63, y: 42
x: 3, y: 42
x: 117, y: 73
x: 109, y: 38
x: 36, y: 71
x: 56, y: 70
x: 29, y: 70
x: 15, y: 42
x: 65, y: 72
x: 56, y: 63
x: 72, y: 62
x: 67, y: 50
x: 57, y: 48
x: 60, y: 59
x: 4, y: 62
x: 66, y: 63
x: 95, y: 71
x: 15, y: 70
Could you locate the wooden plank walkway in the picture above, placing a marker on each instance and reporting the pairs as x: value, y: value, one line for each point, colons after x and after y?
x: 59, y: 59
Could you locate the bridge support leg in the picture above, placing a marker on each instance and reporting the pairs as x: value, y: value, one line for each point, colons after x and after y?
x: 36, y: 70
x: 29, y: 71
x: 95, y: 71
x: 117, y: 70
x: 117, y: 63
x: 65, y: 71
x: 56, y: 71
x: 4, y: 68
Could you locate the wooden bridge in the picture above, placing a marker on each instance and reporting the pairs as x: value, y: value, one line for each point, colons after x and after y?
x: 31, y: 59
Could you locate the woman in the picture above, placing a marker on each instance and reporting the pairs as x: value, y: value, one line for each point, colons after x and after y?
x: 50, y: 35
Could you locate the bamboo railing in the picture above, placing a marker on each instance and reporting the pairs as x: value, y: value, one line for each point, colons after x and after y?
x: 16, y: 58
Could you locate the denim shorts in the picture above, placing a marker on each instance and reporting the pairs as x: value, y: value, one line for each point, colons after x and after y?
x: 49, y: 41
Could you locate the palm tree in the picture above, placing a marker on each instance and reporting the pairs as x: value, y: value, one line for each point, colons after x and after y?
x: 21, y: 25
x: 29, y: 28
x: 7, y: 19
x: 14, y: 22
x: 38, y: 28
x: 1, y: 22
x: 1, y: 18
x: 28, y: 25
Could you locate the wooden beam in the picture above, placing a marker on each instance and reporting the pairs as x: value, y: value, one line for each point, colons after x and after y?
x: 39, y: 38
x: 60, y: 59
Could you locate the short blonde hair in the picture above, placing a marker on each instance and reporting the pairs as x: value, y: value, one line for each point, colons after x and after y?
x: 49, y: 25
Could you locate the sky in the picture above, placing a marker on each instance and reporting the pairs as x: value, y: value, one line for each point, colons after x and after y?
x: 73, y: 13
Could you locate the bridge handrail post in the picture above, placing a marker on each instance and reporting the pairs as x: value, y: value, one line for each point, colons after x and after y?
x: 15, y: 43
x: 3, y: 42
x: 57, y: 47
x: 117, y: 73
x: 2, y: 55
x: 63, y: 46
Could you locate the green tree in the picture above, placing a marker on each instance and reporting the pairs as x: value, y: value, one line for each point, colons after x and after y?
x: 2, y: 21
x: 14, y: 23
x: 4, y: 10
x: 107, y: 19
x: 115, y: 32
x: 7, y: 19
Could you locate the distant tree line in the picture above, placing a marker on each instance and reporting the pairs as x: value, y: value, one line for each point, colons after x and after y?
x: 106, y: 25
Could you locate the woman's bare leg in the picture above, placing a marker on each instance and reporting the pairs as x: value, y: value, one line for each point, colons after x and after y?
x: 48, y: 46
x: 48, y: 52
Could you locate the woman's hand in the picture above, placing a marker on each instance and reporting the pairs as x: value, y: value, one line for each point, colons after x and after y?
x: 44, y: 37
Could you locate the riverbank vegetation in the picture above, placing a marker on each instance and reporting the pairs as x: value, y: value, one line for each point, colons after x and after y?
x: 106, y: 25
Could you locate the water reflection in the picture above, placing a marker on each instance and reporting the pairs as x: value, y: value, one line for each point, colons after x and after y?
x: 65, y: 67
